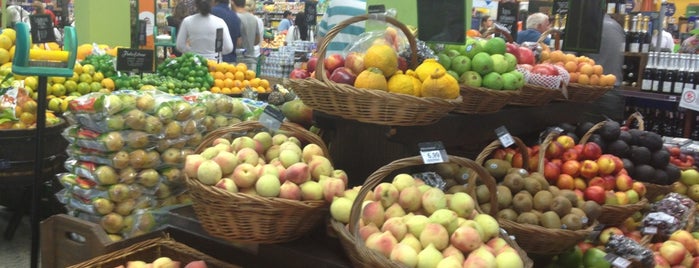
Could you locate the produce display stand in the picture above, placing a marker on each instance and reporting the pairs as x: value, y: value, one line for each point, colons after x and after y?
x: 23, y: 65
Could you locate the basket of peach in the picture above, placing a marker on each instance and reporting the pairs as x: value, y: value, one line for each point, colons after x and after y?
x: 588, y: 81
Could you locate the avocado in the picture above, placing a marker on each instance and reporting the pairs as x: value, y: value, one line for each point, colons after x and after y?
x: 596, y: 138
x: 660, y: 158
x: 640, y: 155
x: 610, y: 130
x: 619, y: 148
x: 635, y: 136
x: 673, y: 173
x: 644, y: 173
x: 497, y: 168
x: 660, y: 177
x: 651, y: 140
x: 583, y: 128
x: 625, y: 136
x: 629, y: 166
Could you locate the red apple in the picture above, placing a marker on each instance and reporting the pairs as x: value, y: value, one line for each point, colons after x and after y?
x: 498, y: 154
x: 551, y: 171
x: 591, y: 150
x: 609, y: 182
x: 333, y: 62
x: 513, y: 49
x: 596, y: 181
x: 606, y: 164
x: 517, y: 161
x: 589, y: 169
x: 570, y: 154
x: 624, y: 182
x: 618, y: 164
x: 311, y: 64
x: 639, y: 187
x: 554, y: 150
x: 566, y: 141
x: 545, y: 69
x: 595, y: 193
x: 343, y: 75
x: 526, y: 56
x: 299, y: 74
x: 355, y: 62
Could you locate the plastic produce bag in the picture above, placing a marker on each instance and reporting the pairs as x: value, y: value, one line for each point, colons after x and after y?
x: 668, y: 215
x: 629, y: 249
x: 113, y: 141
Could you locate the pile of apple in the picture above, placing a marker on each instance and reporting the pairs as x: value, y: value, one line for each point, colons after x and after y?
x: 267, y: 165
x: 418, y: 225
x: 163, y: 262
x: 688, y: 184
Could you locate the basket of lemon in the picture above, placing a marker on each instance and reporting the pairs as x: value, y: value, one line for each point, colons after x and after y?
x: 380, y: 93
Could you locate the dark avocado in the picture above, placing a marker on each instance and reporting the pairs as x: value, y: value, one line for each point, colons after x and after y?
x: 673, y: 173
x: 610, y: 130
x: 639, y: 155
x: 635, y: 136
x: 644, y: 173
x: 625, y: 136
x: 583, y: 128
x: 567, y: 128
x: 629, y: 166
x: 660, y: 158
x: 660, y: 177
x: 651, y: 140
x: 619, y: 148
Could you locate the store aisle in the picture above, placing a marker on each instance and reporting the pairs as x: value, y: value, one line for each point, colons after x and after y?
x: 16, y: 252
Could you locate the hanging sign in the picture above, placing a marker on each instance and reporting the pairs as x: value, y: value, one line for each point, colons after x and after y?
x: 42, y: 28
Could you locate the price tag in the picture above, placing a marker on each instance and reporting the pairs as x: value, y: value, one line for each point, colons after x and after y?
x: 617, y: 261
x: 42, y: 28
x: 504, y: 136
x: 218, y: 44
x: 271, y: 118
x: 433, y: 152
x: 650, y: 230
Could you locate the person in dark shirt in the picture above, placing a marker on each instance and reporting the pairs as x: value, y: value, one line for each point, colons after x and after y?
x: 175, y: 20
x: 222, y: 9
x: 537, y: 23
x: 300, y: 23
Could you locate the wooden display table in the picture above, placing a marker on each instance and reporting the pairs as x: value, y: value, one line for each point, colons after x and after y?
x: 361, y: 148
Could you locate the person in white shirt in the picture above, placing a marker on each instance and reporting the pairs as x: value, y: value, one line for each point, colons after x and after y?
x: 667, y: 43
x: 250, y: 6
x: 197, y: 33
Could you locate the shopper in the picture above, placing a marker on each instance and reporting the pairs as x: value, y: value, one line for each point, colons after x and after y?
x: 301, y: 25
x: 250, y: 6
x: 198, y: 33
x: 667, y: 42
x: 537, y: 23
x: 16, y: 14
x: 250, y: 35
x: 611, y: 104
x: 486, y: 23
x: 338, y: 11
x: 691, y: 44
x: 286, y: 22
x: 175, y: 20
x: 222, y: 9
x: 40, y: 8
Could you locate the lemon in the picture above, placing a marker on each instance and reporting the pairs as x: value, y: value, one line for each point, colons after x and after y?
x: 58, y: 79
x: 5, y: 42
x: 4, y: 55
x: 427, y: 68
x: 383, y: 57
x: 401, y: 83
x: 11, y: 33
x: 97, y: 77
x: 440, y: 85
x: 88, y: 69
x: 77, y: 69
x: 31, y: 81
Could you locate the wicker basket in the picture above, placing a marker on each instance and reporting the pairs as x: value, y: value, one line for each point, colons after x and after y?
x: 243, y: 217
x: 533, y: 95
x: 584, y: 93
x: 479, y: 100
x: 360, y: 255
x: 614, y: 215
x: 150, y: 250
x: 369, y: 106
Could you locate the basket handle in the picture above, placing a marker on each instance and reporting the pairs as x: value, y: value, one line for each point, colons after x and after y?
x: 492, y: 30
x: 380, y: 174
x: 638, y: 117
x: 336, y: 30
x: 591, y: 131
x: 542, y: 149
x: 245, y: 126
x: 556, y: 35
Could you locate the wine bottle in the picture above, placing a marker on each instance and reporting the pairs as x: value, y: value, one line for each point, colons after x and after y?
x: 645, y: 36
x: 648, y: 73
x: 681, y: 75
x: 659, y: 72
x: 670, y: 71
x: 635, y: 45
x: 679, y: 130
x: 627, y: 35
x: 621, y: 7
x: 695, y: 131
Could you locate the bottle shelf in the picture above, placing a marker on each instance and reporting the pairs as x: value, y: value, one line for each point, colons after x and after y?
x: 635, y: 92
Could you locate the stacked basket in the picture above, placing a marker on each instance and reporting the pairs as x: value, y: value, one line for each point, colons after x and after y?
x: 369, y: 106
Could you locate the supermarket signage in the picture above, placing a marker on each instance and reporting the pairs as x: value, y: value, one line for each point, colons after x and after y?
x: 135, y: 60
x: 690, y: 99
x: 42, y: 28
x: 433, y: 152
x: 504, y: 136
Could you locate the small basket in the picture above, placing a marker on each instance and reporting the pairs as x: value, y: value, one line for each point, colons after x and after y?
x: 359, y: 254
x: 479, y: 100
x: 613, y: 215
x: 150, y: 250
x: 240, y: 217
x: 364, y: 105
x: 584, y: 93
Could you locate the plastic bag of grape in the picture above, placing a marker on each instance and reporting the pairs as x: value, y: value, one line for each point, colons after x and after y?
x: 668, y: 215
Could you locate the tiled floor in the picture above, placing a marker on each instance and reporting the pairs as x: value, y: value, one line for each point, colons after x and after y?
x: 15, y: 252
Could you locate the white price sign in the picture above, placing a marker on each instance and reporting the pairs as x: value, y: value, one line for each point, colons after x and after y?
x: 690, y: 99
x: 433, y: 152
x: 504, y: 136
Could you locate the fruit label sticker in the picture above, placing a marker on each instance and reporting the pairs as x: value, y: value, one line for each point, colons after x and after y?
x: 690, y: 99
x: 433, y: 152
x: 504, y: 136
x: 617, y: 261
x: 271, y: 118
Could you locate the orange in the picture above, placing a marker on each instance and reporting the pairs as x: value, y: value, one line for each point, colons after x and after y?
x: 239, y: 75
x: 229, y: 75
x: 571, y: 66
x: 249, y: 75
x: 231, y: 68
x: 218, y: 82
x: 246, y: 83
x: 255, y: 82
x: 583, y: 79
x: 237, y: 83
x: 594, y: 80
x: 571, y: 57
x: 261, y: 90
x: 236, y: 90
x: 597, y: 69
x: 586, y: 69
x: 608, y: 80
x: 215, y: 89
x: 241, y: 67
x: 108, y: 83
x: 264, y: 83
x: 226, y: 90
x: 220, y: 67
x: 545, y: 55
x: 212, y: 65
x: 556, y: 56
x: 574, y: 77
x: 228, y: 82
x: 219, y: 75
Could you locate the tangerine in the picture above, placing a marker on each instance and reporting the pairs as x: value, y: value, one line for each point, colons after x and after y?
x: 597, y: 69
x: 228, y: 82
x: 218, y: 82
x: 226, y: 90
x: 264, y: 83
x: 239, y: 75
x: 608, y: 80
x: 230, y: 75
x: 571, y: 66
x: 594, y: 80
x: 216, y: 89
x: 583, y: 79
x: 219, y: 75
x: 249, y: 75
x: 585, y: 68
x: 241, y: 67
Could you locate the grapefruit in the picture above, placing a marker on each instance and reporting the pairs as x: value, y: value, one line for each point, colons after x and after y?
x: 382, y: 57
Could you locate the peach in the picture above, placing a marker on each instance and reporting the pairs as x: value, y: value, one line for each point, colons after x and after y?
x: 310, y: 150
x: 244, y: 175
x: 228, y: 185
x: 278, y: 139
x: 480, y: 257
x: 268, y: 169
x: 449, y: 262
x: 639, y: 187
x: 416, y: 224
x: 268, y: 186
x: 272, y: 152
x: 394, y: 210
x: 565, y: 181
x: 623, y: 182
x: 367, y: 230
x: 248, y: 155
x: 297, y: 173
x: 591, y: 151
x: 404, y: 254
x: 466, y: 239
x: 605, y: 164
x: 402, y: 181
x: 589, y: 169
x: 340, y: 174
x: 410, y: 199
x: 430, y: 256
x: 461, y: 203
x: 434, y: 234
x: 191, y: 164
x: 332, y: 187
x: 509, y: 259
x: 396, y: 226
x: 311, y: 190
x: 497, y: 244
x: 373, y: 212
x: 209, y: 172
x: 246, y: 142
x: 453, y: 251
x: 554, y: 150
x: 382, y: 242
x: 674, y: 252
x: 227, y: 161
x: 551, y: 171
x: 289, y: 157
x: 571, y: 167
x: 319, y: 165
x: 433, y: 199
x: 264, y: 139
x: 386, y: 193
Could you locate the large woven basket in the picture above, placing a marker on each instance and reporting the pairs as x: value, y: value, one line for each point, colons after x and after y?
x: 369, y: 106
x: 613, y: 215
x: 359, y: 254
x: 584, y: 93
x: 532, y: 238
x: 250, y: 218
x: 534, y: 95
x: 479, y: 100
x: 150, y: 250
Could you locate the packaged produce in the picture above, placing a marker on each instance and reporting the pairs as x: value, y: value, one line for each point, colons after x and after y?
x: 668, y: 215
x: 108, y: 142
x: 18, y: 110
x: 629, y: 249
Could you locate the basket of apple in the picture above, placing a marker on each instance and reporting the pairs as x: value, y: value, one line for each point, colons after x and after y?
x: 409, y: 223
x: 544, y: 83
x: 251, y: 184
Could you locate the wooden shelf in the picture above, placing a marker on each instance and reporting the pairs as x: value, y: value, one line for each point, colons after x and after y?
x: 636, y: 92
